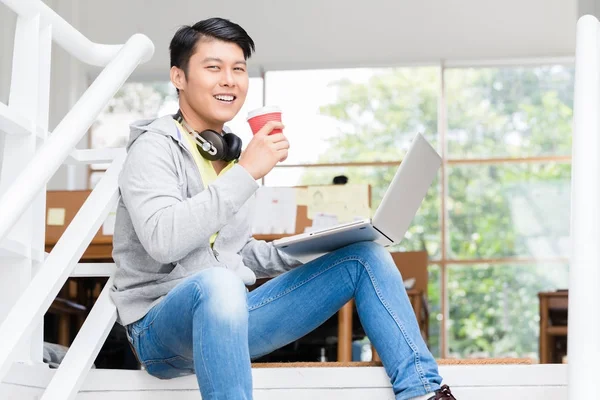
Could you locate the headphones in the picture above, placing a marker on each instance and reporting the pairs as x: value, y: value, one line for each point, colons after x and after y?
x: 212, y: 145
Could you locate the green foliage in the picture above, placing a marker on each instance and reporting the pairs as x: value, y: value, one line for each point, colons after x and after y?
x: 494, y: 308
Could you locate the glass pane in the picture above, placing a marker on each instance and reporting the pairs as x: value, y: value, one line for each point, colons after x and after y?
x: 346, y: 115
x: 494, y: 309
x: 434, y: 302
x: 509, y: 210
x: 509, y: 112
x: 424, y: 231
x: 138, y: 100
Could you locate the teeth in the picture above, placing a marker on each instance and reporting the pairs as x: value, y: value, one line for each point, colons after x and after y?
x: 224, y: 98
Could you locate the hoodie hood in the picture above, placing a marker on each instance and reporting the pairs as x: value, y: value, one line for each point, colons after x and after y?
x: 164, y: 125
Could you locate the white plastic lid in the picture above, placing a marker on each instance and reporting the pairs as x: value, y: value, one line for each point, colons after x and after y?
x: 263, y: 110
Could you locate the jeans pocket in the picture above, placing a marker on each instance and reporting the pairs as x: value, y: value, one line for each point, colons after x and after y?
x: 132, y: 339
x: 128, y: 334
x: 169, y: 368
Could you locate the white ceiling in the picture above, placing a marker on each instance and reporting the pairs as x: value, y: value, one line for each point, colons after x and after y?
x: 333, y: 33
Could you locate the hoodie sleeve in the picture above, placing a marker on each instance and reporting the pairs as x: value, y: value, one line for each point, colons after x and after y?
x: 265, y: 260
x: 168, y: 225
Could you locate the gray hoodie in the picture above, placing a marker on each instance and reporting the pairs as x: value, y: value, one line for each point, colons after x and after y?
x: 166, y: 216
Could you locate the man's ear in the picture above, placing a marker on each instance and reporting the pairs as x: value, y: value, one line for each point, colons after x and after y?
x: 178, y: 78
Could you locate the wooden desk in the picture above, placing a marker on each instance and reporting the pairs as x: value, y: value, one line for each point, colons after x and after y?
x: 553, y: 325
x: 100, y: 249
x: 70, y: 201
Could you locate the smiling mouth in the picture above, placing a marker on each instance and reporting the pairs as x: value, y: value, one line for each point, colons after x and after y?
x: 225, y: 98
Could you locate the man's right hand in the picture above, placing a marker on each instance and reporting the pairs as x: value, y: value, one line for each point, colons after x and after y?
x: 264, y: 150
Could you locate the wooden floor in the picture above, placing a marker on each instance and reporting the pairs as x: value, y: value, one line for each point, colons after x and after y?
x: 469, y: 382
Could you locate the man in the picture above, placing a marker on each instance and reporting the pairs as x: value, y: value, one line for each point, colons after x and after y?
x: 184, y: 249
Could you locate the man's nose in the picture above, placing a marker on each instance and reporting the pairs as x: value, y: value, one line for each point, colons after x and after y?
x: 227, y: 78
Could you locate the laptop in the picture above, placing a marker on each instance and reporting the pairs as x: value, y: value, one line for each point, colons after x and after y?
x: 400, y: 203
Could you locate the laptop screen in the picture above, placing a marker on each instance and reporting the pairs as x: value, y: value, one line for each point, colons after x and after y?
x: 407, y: 190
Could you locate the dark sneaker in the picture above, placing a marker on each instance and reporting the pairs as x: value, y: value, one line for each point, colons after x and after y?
x: 443, y: 393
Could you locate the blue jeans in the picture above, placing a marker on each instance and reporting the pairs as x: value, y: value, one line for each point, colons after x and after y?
x: 212, y: 326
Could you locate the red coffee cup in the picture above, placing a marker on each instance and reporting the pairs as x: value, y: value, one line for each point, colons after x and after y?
x: 259, y: 117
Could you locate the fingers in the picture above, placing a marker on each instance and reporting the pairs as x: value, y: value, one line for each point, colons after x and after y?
x: 281, y: 145
x: 269, y: 127
x: 282, y: 154
x: 277, y: 137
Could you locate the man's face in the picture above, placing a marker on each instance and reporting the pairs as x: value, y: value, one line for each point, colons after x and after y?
x: 217, y: 81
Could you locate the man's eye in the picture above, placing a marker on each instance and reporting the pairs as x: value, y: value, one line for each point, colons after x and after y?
x: 239, y: 69
x: 212, y: 67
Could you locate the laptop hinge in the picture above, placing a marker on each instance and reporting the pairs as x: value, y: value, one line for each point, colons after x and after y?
x: 386, y: 236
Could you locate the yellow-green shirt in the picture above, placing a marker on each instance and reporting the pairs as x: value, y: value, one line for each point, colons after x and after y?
x: 207, y: 172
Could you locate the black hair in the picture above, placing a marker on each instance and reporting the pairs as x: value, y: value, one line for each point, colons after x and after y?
x: 184, y: 41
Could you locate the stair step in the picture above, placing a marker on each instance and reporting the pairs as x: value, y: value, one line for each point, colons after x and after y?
x: 468, y: 382
x: 12, y: 123
x: 91, y: 270
x: 96, y: 270
x: 94, y: 156
x: 10, y: 248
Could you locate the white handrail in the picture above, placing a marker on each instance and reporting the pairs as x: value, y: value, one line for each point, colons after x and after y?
x: 70, y: 131
x: 69, y: 38
x: 85, y: 348
x: 584, y: 275
x: 60, y: 263
x: 35, y: 299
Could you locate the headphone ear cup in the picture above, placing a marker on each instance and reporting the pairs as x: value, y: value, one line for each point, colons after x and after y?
x: 234, y: 145
x: 218, y: 146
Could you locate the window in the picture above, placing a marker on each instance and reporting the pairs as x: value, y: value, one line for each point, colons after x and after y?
x: 508, y: 210
x: 497, y: 227
x: 494, y: 310
x: 354, y: 115
x: 507, y: 207
x: 509, y: 112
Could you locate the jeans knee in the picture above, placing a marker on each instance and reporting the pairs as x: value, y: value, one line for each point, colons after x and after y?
x: 374, y: 254
x: 221, y: 294
x: 371, y: 250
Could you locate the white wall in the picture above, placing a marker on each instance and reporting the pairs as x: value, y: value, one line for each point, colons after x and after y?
x: 68, y: 82
x: 588, y: 7
x: 7, y: 29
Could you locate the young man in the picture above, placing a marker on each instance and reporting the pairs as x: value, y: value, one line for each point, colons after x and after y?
x: 184, y: 249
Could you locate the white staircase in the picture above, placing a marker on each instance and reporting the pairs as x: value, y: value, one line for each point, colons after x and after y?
x: 30, y: 280
x: 543, y: 382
